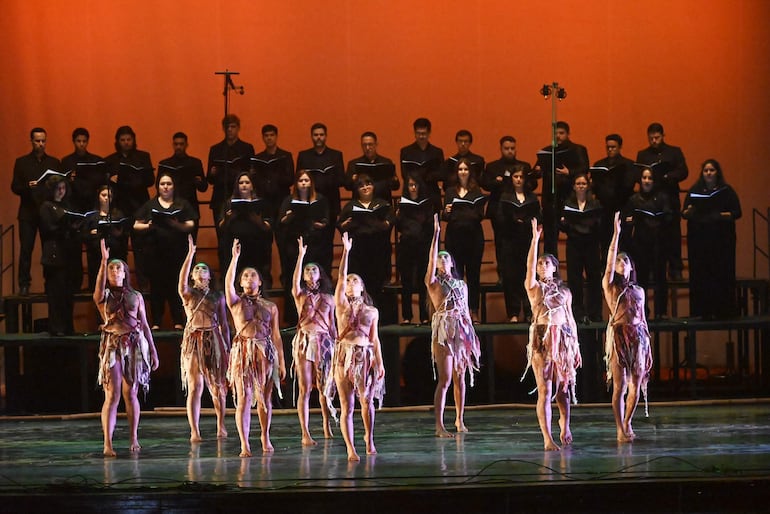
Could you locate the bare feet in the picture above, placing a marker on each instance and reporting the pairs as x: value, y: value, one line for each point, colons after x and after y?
x: 108, y: 451
x: 267, y: 446
x: 623, y: 437
x: 134, y: 447
x: 514, y: 319
x: 222, y: 433
x: 353, y: 456
x: 245, y: 452
x: 308, y: 441
x: 328, y: 434
x: 566, y: 434
x: 551, y: 447
x: 195, y: 437
x: 461, y: 426
x: 370, y: 449
x: 442, y: 433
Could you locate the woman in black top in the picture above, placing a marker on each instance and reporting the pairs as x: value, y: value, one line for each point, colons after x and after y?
x: 368, y: 221
x: 648, y: 214
x: 711, y: 208
x: 464, y: 208
x: 517, y: 207
x: 246, y: 217
x: 62, y: 266
x: 109, y: 223
x: 581, y: 221
x: 166, y: 221
x: 414, y: 223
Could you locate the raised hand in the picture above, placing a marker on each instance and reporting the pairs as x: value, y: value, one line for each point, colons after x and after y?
x: 347, y: 241
x: 236, y: 248
x: 104, y: 249
x: 302, y: 247
x: 190, y: 245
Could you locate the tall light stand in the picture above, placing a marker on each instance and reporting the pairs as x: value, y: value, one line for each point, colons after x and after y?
x: 554, y: 92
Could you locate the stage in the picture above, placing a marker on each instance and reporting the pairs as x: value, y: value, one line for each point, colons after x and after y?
x: 689, y: 457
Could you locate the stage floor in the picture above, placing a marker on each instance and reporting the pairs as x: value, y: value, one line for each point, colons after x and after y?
x: 713, y: 446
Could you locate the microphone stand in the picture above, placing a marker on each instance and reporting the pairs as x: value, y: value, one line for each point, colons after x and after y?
x: 229, y: 86
x: 554, y: 92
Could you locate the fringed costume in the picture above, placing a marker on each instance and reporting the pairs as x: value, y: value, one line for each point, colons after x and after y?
x: 452, y: 329
x: 355, y: 362
x: 317, y: 344
x: 557, y: 344
x: 207, y: 345
x: 629, y: 344
x: 253, y: 359
x: 130, y: 348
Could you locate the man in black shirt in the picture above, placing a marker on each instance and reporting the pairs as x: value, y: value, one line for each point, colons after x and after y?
x: 27, y: 183
x: 327, y: 168
x: 187, y: 172
x: 612, y: 182
x: 227, y: 159
x: 669, y: 169
x: 570, y: 159
x: 89, y: 171
x: 132, y: 171
x: 273, y: 171
x: 496, y: 177
x: 424, y: 160
x: 464, y: 140
x: 380, y: 169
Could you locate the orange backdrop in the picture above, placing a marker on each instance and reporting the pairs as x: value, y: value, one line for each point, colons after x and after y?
x: 699, y: 67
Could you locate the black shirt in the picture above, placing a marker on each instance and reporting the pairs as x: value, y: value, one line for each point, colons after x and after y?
x: 26, y: 169
x: 187, y: 172
x: 274, y: 175
x: 328, y: 171
x: 134, y: 175
x: 229, y: 160
x: 381, y: 170
x: 90, y: 172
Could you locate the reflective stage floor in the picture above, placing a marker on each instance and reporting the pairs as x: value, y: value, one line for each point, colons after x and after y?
x: 689, y: 457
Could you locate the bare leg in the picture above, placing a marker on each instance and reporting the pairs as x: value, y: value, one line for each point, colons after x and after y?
x: 459, y: 394
x: 304, y: 370
x: 133, y: 412
x: 632, y: 400
x: 562, y: 402
x: 544, y: 401
x: 367, y: 415
x: 110, y: 407
x: 444, y: 366
x: 194, y: 393
x: 326, y: 415
x: 345, y: 390
x: 243, y: 416
x: 265, y: 412
x: 219, y: 399
x: 618, y: 407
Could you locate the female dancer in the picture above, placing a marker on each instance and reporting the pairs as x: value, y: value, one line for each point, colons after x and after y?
x: 553, y: 351
x: 205, y: 344
x: 358, y: 367
x: 313, y: 344
x: 627, y: 346
x: 455, y: 347
x: 256, y: 355
x: 127, y: 352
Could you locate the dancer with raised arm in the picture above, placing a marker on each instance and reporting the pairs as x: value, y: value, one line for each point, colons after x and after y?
x: 313, y: 344
x: 358, y: 367
x: 627, y: 350
x: 553, y: 351
x: 256, y: 356
x: 455, y: 348
x: 127, y: 352
x: 205, y: 343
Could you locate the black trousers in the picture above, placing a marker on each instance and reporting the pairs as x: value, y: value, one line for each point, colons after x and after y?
x: 583, y: 256
x: 467, y: 249
x: 513, y: 259
x: 27, y: 233
x: 412, y: 264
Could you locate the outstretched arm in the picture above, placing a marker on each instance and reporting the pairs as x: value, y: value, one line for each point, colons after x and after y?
x: 612, y: 255
x: 531, y: 278
x: 374, y: 337
x: 296, y: 285
x: 430, y: 274
x: 141, y: 314
x: 276, y: 337
x: 339, y: 291
x: 101, y: 277
x: 184, y: 272
x: 230, y: 294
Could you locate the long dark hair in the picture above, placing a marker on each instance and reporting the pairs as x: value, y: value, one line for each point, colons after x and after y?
x: 236, y: 192
x: 324, y: 282
x: 618, y: 279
